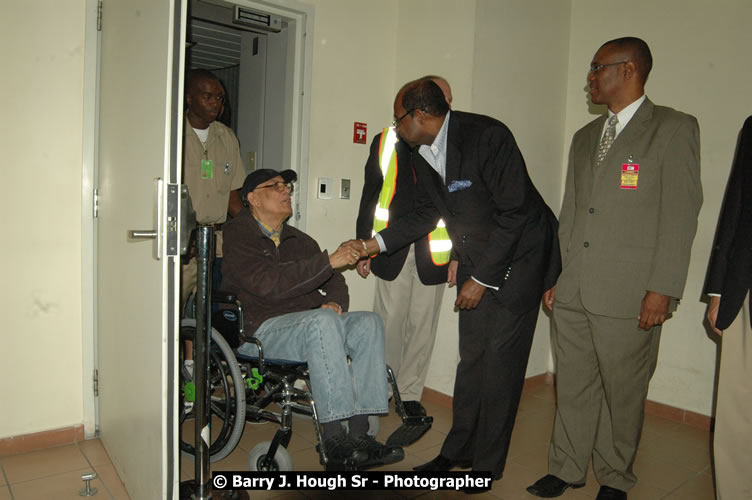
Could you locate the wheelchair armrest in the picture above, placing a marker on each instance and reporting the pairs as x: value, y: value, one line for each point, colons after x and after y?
x: 222, y: 297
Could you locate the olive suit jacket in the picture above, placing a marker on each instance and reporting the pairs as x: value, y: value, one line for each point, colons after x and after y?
x: 617, y: 243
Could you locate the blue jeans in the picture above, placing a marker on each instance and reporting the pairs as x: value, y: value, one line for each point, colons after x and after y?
x: 324, y: 339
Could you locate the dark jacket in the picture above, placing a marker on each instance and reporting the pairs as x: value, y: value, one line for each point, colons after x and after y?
x: 388, y: 267
x: 271, y: 281
x: 500, y: 221
x: 730, y: 270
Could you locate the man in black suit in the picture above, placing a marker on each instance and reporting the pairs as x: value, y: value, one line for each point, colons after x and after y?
x: 410, y: 283
x: 729, y: 281
x: 471, y: 174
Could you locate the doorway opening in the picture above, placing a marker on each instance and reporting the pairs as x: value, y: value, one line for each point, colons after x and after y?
x: 260, y: 55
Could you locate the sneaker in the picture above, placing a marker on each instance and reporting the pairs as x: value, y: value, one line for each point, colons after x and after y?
x: 377, y: 453
x: 342, y: 449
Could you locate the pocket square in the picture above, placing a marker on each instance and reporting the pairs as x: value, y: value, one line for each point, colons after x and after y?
x: 459, y: 185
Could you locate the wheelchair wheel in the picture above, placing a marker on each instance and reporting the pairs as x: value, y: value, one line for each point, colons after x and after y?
x: 226, y: 395
x: 282, y: 461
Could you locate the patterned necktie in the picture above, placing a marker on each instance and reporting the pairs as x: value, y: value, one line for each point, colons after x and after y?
x: 607, y: 140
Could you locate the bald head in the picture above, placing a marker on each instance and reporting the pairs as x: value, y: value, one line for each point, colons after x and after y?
x: 443, y: 85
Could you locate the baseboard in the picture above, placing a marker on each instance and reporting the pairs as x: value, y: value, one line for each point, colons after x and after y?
x: 654, y: 408
x: 40, y: 440
x: 679, y: 415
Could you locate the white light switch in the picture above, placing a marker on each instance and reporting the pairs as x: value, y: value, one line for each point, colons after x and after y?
x: 325, y: 188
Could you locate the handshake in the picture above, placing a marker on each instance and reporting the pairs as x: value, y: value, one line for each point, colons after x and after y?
x: 352, y: 251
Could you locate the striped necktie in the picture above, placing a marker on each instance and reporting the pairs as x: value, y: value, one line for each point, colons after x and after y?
x: 607, y: 140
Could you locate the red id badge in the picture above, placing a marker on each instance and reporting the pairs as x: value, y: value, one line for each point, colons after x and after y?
x: 630, y: 173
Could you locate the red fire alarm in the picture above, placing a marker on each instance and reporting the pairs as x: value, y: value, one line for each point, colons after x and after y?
x: 359, y: 133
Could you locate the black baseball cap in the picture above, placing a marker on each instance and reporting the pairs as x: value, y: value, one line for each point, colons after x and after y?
x: 262, y: 175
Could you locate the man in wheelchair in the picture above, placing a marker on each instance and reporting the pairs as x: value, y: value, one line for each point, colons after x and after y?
x: 296, y: 304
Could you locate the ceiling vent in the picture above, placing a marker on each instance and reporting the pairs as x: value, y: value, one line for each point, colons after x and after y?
x: 257, y: 19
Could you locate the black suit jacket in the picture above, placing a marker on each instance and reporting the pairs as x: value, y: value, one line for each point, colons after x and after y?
x: 388, y: 267
x: 730, y: 270
x: 500, y: 221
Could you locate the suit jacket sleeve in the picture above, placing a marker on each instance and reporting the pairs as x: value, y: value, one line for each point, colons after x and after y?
x: 371, y: 190
x: 681, y: 199
x: 730, y: 213
x: 566, y: 216
x: 505, y: 176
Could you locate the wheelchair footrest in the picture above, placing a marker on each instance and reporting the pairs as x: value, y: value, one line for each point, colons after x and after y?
x: 411, y: 430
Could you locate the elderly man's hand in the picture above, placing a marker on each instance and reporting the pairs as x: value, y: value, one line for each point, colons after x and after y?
x: 364, y: 267
x: 654, y: 310
x: 333, y: 306
x: 346, y: 255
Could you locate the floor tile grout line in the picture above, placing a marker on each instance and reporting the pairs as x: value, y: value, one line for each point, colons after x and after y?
x: 95, y: 470
x: 691, y: 478
x: 7, y: 482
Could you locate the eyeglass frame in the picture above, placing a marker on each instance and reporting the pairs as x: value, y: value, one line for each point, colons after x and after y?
x: 396, y: 121
x: 276, y: 186
x: 595, y: 69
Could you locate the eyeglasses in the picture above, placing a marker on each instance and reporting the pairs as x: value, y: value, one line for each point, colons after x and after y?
x: 595, y: 68
x: 280, y: 186
x: 396, y: 121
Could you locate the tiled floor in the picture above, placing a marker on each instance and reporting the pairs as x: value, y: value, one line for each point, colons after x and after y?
x: 55, y: 473
x: 673, y: 461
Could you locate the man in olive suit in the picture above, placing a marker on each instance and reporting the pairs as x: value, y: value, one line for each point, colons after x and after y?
x: 627, y: 224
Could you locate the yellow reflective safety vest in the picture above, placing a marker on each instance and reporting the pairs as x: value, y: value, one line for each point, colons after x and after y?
x: 438, y: 240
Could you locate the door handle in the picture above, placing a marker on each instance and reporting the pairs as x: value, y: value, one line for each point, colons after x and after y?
x: 135, y: 234
x: 153, y: 234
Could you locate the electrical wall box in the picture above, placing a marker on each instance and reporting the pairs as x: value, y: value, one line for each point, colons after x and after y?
x: 344, y: 189
x: 325, y: 188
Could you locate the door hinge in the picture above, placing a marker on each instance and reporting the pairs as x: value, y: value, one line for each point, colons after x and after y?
x: 297, y: 212
x: 96, y: 383
x: 95, y: 202
x: 99, y: 15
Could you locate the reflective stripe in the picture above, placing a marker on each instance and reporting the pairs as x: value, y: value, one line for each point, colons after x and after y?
x: 388, y: 140
x: 441, y: 245
x: 382, y: 213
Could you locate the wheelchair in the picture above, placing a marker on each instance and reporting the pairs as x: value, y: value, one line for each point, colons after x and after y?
x: 258, y: 389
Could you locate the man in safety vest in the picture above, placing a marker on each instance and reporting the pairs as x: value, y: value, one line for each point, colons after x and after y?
x: 410, y: 282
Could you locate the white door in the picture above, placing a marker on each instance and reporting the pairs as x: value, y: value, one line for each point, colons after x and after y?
x: 140, y: 121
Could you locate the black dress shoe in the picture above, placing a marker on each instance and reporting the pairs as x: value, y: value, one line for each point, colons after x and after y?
x: 550, y: 486
x: 414, y: 409
x: 472, y: 490
x: 609, y: 493
x: 441, y: 464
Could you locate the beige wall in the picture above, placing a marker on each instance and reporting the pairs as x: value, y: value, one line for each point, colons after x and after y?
x: 522, y: 62
x: 520, y: 78
x: 40, y: 302
x: 700, y: 67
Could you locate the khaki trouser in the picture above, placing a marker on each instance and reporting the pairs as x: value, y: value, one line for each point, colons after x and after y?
x: 732, y: 443
x: 189, y: 272
x: 410, y: 311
